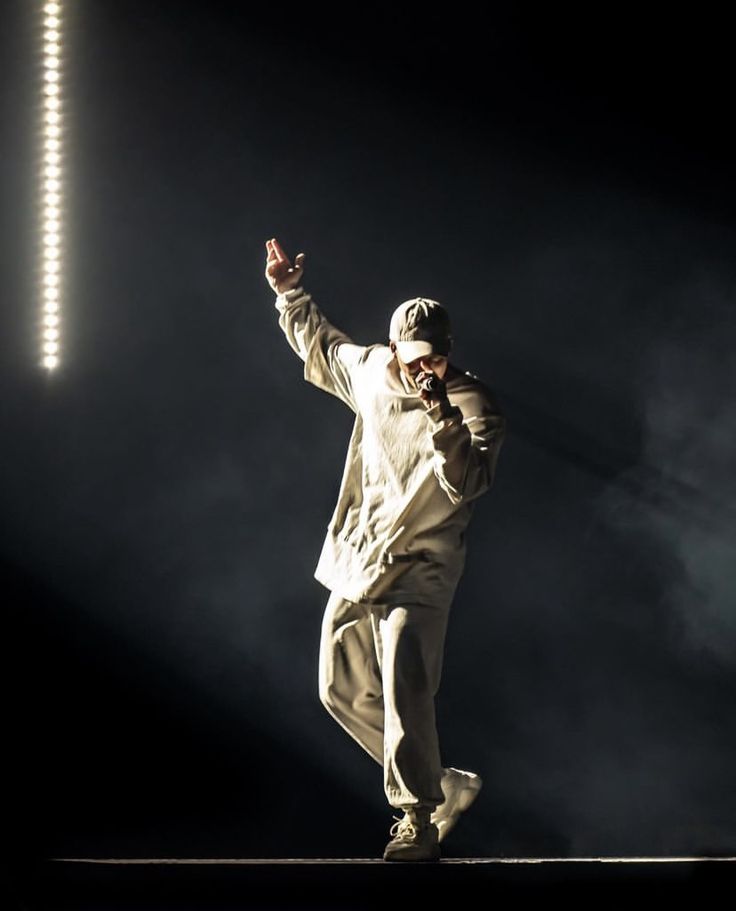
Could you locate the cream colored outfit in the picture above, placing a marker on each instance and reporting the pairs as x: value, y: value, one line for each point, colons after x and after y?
x: 395, y: 545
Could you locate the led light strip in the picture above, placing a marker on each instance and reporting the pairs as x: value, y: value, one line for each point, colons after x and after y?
x: 51, y: 186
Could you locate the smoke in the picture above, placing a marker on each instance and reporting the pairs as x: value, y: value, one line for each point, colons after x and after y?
x: 685, y: 483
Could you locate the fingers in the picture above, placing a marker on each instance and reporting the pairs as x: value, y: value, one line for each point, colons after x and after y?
x: 278, y: 252
x: 278, y: 265
x: 275, y: 254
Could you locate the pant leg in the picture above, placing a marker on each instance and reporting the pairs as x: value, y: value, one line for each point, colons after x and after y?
x: 350, y: 684
x: 411, y: 641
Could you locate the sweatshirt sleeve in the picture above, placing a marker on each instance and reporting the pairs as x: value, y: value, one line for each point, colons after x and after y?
x: 466, y: 448
x: 330, y: 356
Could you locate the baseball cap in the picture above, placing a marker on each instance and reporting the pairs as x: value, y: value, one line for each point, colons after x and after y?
x: 420, y: 326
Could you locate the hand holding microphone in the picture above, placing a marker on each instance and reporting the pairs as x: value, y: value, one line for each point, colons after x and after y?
x: 431, y: 388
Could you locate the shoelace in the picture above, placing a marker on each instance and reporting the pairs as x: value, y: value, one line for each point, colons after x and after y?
x: 403, y: 829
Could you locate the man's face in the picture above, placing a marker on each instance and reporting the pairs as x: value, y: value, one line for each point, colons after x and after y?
x: 429, y: 363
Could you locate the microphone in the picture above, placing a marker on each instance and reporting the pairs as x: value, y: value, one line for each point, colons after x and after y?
x: 429, y: 382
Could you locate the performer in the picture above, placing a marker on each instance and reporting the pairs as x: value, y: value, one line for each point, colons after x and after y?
x: 424, y: 447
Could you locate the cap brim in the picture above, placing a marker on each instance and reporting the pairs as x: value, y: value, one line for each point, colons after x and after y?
x: 410, y: 351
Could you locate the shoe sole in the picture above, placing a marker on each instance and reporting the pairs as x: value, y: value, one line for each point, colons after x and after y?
x: 412, y: 860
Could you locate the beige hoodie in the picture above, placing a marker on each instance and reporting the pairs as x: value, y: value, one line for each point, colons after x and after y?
x: 412, y: 473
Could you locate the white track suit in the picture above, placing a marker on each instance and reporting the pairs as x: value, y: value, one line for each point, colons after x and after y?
x: 395, y: 545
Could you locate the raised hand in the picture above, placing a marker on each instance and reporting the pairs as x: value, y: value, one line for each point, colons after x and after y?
x: 280, y: 274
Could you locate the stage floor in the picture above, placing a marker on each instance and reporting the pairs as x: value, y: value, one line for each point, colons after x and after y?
x: 361, y: 882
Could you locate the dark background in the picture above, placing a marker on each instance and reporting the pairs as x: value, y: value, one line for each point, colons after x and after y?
x: 564, y: 184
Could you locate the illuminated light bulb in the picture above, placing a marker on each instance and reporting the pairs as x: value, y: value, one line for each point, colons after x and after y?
x: 50, y: 181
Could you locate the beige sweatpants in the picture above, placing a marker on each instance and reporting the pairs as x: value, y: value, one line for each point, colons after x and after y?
x: 379, y: 672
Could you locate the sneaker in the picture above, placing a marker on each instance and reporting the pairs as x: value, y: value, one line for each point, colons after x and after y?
x: 460, y: 790
x: 415, y: 837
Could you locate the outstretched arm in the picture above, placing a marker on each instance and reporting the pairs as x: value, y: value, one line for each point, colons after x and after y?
x: 330, y: 356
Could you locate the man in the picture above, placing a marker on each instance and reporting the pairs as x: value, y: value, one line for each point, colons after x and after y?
x: 424, y: 446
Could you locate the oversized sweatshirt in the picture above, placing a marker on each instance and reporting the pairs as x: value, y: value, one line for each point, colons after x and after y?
x: 412, y: 473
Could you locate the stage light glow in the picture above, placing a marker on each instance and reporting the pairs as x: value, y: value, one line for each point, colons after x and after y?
x: 50, y: 179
